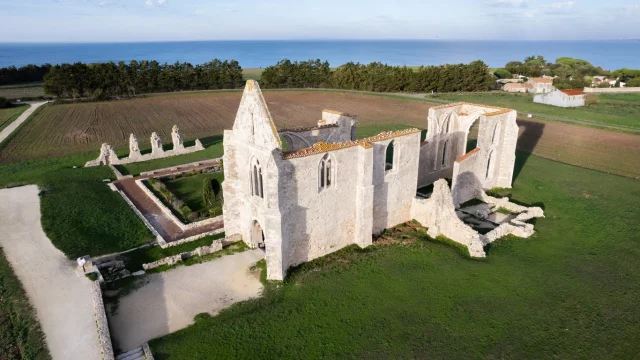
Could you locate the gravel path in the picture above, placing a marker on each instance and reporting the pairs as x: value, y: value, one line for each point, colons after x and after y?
x: 170, y: 300
x: 17, y: 122
x: 62, y: 299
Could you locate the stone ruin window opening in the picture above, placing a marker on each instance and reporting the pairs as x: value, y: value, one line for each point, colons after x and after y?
x: 256, y: 180
x: 490, y: 162
x: 325, y: 179
x: 444, y: 154
x: 389, y: 156
x: 494, y: 137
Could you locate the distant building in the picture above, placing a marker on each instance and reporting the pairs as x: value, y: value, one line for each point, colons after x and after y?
x: 562, y: 98
x: 541, y: 85
x: 517, y: 87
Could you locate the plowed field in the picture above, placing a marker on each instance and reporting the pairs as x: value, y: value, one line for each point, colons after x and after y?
x: 60, y: 130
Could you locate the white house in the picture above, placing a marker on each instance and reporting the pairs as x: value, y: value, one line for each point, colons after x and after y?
x: 562, y: 98
x: 541, y: 85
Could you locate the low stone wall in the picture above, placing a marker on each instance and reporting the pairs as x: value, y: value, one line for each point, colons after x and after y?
x: 101, y: 322
x: 517, y: 226
x: 168, y: 213
x: 183, y: 166
x: 172, y: 260
x: 146, y: 222
x: 147, y: 351
x: 612, y: 90
x: 193, y: 238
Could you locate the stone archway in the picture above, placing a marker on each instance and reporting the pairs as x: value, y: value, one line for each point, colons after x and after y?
x: 467, y: 124
x: 257, y: 235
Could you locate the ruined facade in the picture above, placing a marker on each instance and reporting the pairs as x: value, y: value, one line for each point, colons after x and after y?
x: 304, y: 193
x: 108, y: 155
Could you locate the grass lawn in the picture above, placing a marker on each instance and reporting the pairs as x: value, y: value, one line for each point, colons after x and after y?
x: 612, y: 109
x: 9, y: 114
x: 80, y: 214
x: 569, y: 292
x: 189, y: 190
x: 20, y: 334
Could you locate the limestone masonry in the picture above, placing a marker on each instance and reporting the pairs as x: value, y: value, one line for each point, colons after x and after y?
x: 108, y: 155
x: 300, y: 194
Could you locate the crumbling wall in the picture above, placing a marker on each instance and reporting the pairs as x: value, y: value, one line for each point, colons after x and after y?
x: 438, y: 215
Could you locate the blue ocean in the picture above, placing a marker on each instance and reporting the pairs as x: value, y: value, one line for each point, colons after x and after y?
x: 610, y: 55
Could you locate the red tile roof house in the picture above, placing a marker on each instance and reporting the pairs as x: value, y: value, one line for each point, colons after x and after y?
x: 562, y: 98
x: 541, y: 85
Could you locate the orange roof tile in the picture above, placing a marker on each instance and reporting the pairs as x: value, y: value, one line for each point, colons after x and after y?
x: 572, y: 92
x: 467, y: 155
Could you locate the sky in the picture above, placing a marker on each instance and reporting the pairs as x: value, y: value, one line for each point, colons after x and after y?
x: 182, y: 20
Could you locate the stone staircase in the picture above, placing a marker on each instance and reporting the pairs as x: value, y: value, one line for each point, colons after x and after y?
x: 135, y: 354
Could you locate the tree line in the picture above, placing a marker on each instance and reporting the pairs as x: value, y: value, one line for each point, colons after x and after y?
x: 379, y: 77
x: 29, y: 73
x: 103, y: 80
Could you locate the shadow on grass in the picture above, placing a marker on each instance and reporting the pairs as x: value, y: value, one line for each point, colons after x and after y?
x: 527, y: 142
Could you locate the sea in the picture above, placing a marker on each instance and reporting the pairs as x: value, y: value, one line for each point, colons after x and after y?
x: 610, y: 55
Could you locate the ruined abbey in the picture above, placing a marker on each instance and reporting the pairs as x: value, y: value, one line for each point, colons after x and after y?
x: 303, y: 193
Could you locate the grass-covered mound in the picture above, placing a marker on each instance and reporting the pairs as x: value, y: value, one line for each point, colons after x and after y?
x: 570, y: 291
x: 20, y: 334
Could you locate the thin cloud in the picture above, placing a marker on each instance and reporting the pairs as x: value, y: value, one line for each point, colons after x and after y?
x: 509, y: 3
x: 156, y: 2
x: 563, y: 5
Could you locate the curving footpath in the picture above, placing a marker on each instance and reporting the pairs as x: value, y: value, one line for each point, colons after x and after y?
x: 61, y: 298
x: 17, y: 122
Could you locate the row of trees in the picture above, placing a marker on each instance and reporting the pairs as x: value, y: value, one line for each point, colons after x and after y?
x: 29, y: 73
x: 111, y: 79
x: 376, y: 76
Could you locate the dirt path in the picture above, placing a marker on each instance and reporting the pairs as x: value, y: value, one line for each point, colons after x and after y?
x: 62, y: 299
x: 170, y: 300
x: 17, y: 122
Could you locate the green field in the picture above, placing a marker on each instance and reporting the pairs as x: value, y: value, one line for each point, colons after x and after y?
x: 20, y: 91
x: 20, y: 334
x: 569, y: 292
x: 8, y: 115
x: 189, y: 190
x: 611, y: 109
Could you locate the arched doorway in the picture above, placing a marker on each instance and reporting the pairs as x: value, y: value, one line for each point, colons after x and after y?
x: 257, y: 235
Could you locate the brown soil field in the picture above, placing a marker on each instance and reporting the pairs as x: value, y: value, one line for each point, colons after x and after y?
x: 60, y: 130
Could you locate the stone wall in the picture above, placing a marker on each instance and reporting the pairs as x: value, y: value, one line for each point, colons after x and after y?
x: 169, y: 214
x: 172, y: 260
x: 108, y: 156
x: 146, y: 222
x: 467, y: 172
x: 101, y: 322
x: 438, y: 215
x: 612, y: 90
x: 394, y: 190
x: 194, y: 238
x: 448, y: 129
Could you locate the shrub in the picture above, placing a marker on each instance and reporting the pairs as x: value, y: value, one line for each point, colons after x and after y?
x: 634, y: 82
x: 4, y: 103
x: 186, y: 211
x: 591, y: 99
x: 210, y: 190
x: 604, y: 85
x: 502, y: 74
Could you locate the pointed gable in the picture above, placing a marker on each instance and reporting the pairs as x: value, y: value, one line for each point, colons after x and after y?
x: 254, y: 121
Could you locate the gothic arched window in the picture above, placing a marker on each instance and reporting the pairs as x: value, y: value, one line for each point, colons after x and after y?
x: 389, y: 156
x: 325, y: 178
x: 257, y: 188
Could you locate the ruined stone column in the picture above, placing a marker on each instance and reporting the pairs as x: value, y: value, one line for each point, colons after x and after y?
x: 134, y: 148
x: 156, y: 145
x: 177, y: 138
